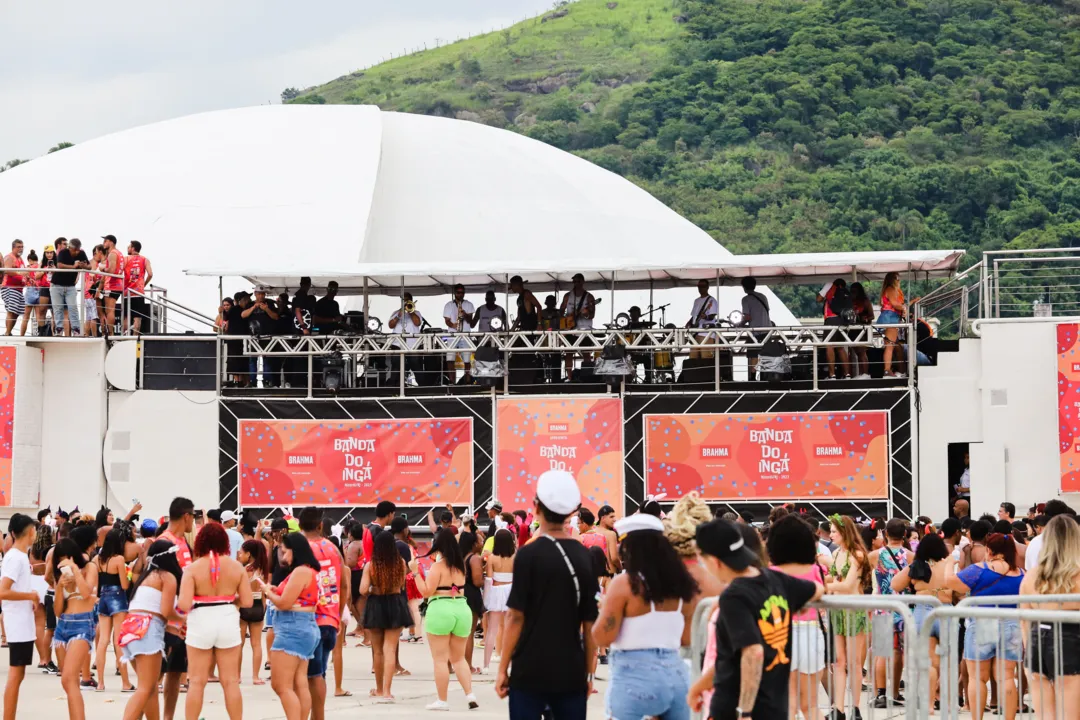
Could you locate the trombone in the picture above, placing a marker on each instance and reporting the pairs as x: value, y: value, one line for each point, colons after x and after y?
x: 410, y: 307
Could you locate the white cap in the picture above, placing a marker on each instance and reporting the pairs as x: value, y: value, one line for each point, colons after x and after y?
x: 558, y: 491
x: 227, y: 516
x: 638, y: 521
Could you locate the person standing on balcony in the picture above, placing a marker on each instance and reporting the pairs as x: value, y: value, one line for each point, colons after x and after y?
x: 64, y: 285
x: 12, y: 288
x: 114, y: 286
x: 137, y: 275
x: 835, y: 297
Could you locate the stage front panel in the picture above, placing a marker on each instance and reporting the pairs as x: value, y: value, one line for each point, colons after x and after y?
x: 412, y: 462
x: 757, y: 456
x: 582, y: 435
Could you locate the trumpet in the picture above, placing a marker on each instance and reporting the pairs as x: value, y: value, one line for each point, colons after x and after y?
x: 410, y: 307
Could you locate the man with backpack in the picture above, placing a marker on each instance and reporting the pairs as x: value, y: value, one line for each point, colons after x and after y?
x: 839, y: 311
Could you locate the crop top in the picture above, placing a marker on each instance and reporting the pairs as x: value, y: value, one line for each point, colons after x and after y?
x: 309, y: 596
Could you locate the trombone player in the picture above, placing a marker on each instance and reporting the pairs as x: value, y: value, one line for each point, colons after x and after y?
x: 408, y: 321
x: 458, y: 315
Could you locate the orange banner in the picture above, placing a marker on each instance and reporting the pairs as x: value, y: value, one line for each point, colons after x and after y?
x: 355, y: 462
x: 7, y: 421
x: 1069, y: 406
x: 582, y: 435
x: 768, y: 456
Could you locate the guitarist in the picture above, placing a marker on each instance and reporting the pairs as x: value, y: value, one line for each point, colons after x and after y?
x: 578, y: 308
x: 704, y: 313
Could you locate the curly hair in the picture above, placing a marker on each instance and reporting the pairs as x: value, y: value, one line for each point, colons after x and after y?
x: 681, y: 524
x: 212, y: 538
x: 655, y: 570
x: 387, y: 567
x: 42, y: 543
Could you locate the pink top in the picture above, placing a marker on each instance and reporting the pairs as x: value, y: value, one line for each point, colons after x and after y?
x: 710, y: 653
x: 591, y: 539
x: 814, y: 575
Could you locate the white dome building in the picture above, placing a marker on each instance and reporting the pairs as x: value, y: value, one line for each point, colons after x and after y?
x: 271, y: 193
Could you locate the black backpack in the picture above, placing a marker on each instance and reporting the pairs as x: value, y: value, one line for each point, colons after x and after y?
x: 842, y: 306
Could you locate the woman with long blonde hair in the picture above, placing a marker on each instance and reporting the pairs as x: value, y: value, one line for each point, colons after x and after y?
x: 679, y: 527
x: 1057, y: 572
x: 850, y: 574
x: 893, y: 311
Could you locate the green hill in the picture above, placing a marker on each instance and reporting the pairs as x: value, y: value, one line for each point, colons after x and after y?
x: 790, y: 125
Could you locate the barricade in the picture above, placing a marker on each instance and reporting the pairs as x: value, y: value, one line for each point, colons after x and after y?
x: 989, y: 632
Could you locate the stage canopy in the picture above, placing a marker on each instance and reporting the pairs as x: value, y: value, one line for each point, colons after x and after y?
x: 545, y: 273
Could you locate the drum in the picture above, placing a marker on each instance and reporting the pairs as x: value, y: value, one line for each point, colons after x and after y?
x: 567, y: 323
x: 662, y: 360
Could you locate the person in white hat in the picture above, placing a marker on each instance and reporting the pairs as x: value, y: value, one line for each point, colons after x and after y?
x: 230, y: 519
x: 552, y: 606
x: 645, y: 619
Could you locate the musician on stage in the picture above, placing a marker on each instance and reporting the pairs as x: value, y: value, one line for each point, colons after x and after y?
x: 407, y: 320
x: 528, y: 307
x: 327, y: 315
x: 703, y: 314
x: 481, y: 319
x: 458, y: 317
x: 550, y: 318
x: 578, y: 307
x: 304, y: 301
x: 636, y: 323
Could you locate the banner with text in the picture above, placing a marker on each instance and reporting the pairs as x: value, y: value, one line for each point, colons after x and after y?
x: 1068, y: 381
x: 7, y: 422
x: 766, y: 456
x: 582, y: 435
x: 416, y: 462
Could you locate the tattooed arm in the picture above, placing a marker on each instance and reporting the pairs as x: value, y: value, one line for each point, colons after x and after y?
x: 606, y: 627
x: 753, y: 659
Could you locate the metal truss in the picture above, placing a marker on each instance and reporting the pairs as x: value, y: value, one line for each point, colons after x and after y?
x: 681, y: 339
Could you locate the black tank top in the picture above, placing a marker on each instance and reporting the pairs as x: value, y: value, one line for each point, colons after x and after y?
x: 528, y: 320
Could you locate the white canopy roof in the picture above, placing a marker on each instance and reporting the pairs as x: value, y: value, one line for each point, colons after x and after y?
x: 433, y: 278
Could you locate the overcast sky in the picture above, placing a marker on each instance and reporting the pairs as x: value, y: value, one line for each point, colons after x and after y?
x: 72, y: 71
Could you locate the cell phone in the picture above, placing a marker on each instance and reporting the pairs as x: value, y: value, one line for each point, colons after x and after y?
x: 198, y: 514
x: 134, y: 501
x: 65, y: 570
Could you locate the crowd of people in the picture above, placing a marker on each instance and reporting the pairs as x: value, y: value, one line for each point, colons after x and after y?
x: 552, y: 592
x: 47, y: 288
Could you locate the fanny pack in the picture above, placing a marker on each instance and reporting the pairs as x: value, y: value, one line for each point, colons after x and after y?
x: 134, y: 628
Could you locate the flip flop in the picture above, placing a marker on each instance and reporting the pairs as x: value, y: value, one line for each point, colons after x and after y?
x: 403, y: 673
x: 258, y: 681
x: 343, y: 693
x: 129, y: 690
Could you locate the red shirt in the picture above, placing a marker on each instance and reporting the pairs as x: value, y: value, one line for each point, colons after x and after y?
x: 183, y: 558
x: 115, y: 284
x: 135, y: 274
x: 15, y: 279
x: 308, y: 597
x: 328, y: 611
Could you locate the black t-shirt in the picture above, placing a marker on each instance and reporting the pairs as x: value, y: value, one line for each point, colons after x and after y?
x: 549, y: 656
x: 260, y: 323
x: 238, y: 324
x: 404, y: 550
x: 286, y: 322
x: 757, y: 611
x: 67, y: 279
x: 327, y: 307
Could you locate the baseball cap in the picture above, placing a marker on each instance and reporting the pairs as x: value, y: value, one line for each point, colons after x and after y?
x: 109, y: 237
x: 723, y: 541
x: 149, y: 526
x: 279, y: 524
x: 638, y: 523
x: 494, y: 505
x: 516, y: 279
x: 48, y: 248
x: 227, y: 515
x: 294, y: 524
x: 578, y: 276
x: 558, y: 491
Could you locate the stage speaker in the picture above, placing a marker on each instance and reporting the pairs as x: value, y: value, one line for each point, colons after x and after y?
x: 703, y: 370
x: 179, y: 365
x: 524, y: 368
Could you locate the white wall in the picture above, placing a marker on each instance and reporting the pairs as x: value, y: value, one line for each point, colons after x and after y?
x: 26, y: 431
x: 73, y: 408
x: 161, y: 444
x: 999, y: 391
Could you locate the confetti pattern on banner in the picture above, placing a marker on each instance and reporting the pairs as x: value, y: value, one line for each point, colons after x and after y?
x: 7, y: 421
x: 1069, y: 406
x: 421, y: 462
x: 768, y: 456
x: 580, y: 435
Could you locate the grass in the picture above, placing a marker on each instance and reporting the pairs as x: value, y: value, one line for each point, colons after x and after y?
x: 510, y: 75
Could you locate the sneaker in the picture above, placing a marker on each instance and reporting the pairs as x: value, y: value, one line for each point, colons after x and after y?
x: 862, y: 376
x: 856, y: 714
x: 52, y: 668
x: 441, y: 705
x: 836, y: 714
x: 471, y: 699
x: 880, y: 702
x: 603, y: 660
x: 88, y: 685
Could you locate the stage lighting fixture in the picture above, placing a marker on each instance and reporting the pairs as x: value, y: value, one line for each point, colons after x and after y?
x: 333, y: 374
x: 613, y: 361
x: 374, y: 324
x: 496, y: 324
x: 488, y: 368
x: 622, y: 321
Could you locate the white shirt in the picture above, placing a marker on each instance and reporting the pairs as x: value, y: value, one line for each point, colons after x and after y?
x: 698, y: 316
x: 236, y: 541
x: 572, y: 301
x: 406, y: 326
x: 450, y: 313
x: 18, y: 614
x: 965, y: 481
x: 1031, y: 558
x: 823, y: 549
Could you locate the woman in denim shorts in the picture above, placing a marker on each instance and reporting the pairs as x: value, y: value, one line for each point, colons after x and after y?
x: 112, y: 604
x: 142, y: 635
x: 76, y: 579
x: 295, y: 633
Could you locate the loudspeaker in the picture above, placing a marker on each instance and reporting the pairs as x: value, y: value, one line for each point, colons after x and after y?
x: 179, y: 365
x: 523, y: 368
x: 703, y: 370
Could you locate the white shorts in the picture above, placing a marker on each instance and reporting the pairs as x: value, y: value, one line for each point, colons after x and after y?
x: 807, y: 648
x: 458, y: 342
x: 495, y: 598
x: 217, y: 626
x: 91, y: 309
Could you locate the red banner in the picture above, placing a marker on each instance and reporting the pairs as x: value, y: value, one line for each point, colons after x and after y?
x: 768, y: 456
x: 1069, y: 406
x: 7, y: 421
x: 355, y: 462
x: 582, y: 435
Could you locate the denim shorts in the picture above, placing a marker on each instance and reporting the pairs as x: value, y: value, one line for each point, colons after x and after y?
x: 327, y: 641
x: 268, y: 621
x: 153, y: 643
x: 74, y: 626
x: 295, y: 633
x: 920, y: 612
x: 32, y: 295
x: 998, y: 638
x: 889, y: 317
x: 112, y: 600
x: 648, y: 683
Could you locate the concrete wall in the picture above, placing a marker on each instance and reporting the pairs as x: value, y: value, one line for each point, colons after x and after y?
x: 1000, y: 394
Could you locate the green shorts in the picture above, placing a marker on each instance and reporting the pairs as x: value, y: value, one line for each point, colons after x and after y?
x: 448, y: 616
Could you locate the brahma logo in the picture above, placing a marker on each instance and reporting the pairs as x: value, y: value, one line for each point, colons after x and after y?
x: 558, y: 427
x: 715, y: 451
x: 828, y: 451
x: 301, y: 460
x: 1076, y: 367
x: 410, y: 459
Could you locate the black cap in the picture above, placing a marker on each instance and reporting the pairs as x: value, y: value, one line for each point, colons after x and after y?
x: 516, y: 280
x: 109, y: 237
x: 279, y: 524
x: 578, y: 275
x: 724, y: 542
